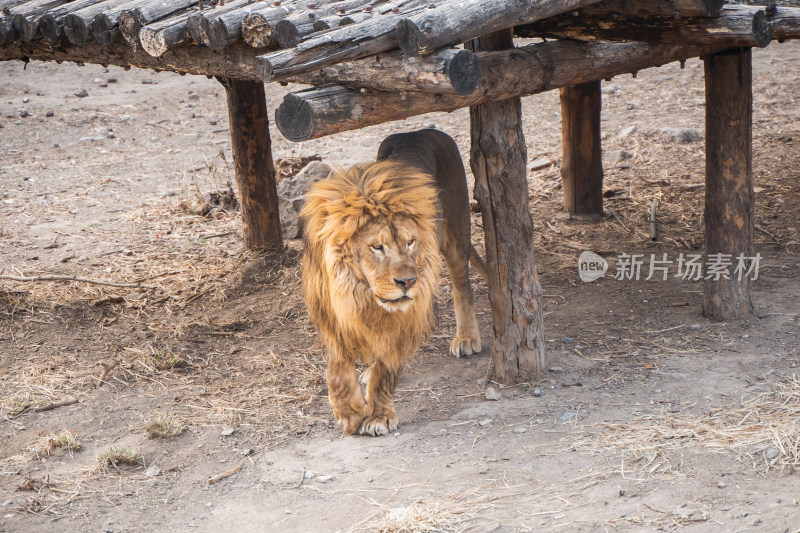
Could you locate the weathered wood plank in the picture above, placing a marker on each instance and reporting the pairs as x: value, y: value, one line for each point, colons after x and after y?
x: 453, y: 22
x: 448, y: 71
x: 105, y: 26
x: 199, y: 23
x: 668, y: 8
x: 498, y: 160
x: 730, y: 200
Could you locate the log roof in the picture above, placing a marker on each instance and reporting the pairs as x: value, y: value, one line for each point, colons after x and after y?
x: 403, y: 46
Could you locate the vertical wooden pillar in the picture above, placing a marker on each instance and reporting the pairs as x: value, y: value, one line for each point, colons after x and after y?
x: 498, y: 161
x: 729, y: 209
x: 252, y: 157
x: 582, y: 161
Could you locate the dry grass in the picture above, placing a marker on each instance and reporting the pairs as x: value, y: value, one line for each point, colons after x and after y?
x: 419, y: 518
x: 167, y: 361
x: 165, y: 426
x: 66, y: 439
x: 118, y: 456
x: 765, y: 429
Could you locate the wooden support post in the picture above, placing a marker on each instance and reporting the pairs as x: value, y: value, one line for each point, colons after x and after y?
x: 252, y: 157
x: 498, y: 161
x: 729, y: 212
x: 582, y: 156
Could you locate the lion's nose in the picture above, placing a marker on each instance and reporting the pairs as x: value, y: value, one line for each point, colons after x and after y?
x: 405, y: 283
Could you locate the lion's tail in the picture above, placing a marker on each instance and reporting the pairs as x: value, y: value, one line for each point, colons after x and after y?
x: 478, y: 263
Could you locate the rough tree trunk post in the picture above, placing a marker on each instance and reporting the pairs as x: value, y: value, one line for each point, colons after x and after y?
x: 498, y: 161
x: 582, y: 157
x: 729, y: 210
x: 252, y: 157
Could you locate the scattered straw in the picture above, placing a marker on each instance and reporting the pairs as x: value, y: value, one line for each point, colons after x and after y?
x: 66, y: 439
x: 764, y: 428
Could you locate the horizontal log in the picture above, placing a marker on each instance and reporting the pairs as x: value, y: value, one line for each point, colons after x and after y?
x: 786, y: 21
x: 291, y: 30
x: 535, y: 68
x: 149, y: 12
x: 739, y: 26
x: 78, y: 24
x: 448, y: 71
x: 26, y: 16
x: 164, y: 34
x: 105, y: 26
x: 226, y: 28
x: 51, y: 24
x: 454, y: 22
x: 235, y: 62
x: 349, y: 43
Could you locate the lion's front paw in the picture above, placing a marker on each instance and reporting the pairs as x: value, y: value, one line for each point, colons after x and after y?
x: 376, y: 425
x: 465, y: 345
x: 350, y: 420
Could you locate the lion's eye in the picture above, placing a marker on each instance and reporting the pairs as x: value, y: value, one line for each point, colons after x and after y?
x: 411, y: 242
x: 377, y: 247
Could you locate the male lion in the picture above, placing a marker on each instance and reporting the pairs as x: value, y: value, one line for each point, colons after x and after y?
x: 371, y: 268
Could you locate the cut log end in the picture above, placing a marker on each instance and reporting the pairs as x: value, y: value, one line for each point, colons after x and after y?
x: 709, y: 8
x: 409, y: 37
x: 76, y: 30
x: 464, y: 71
x: 286, y: 34
x: 7, y: 32
x: 26, y: 29
x: 257, y: 32
x: 130, y: 24
x: 104, y: 30
x: 218, y: 37
x: 763, y: 30
x: 294, y: 119
x: 49, y: 28
x: 153, y: 42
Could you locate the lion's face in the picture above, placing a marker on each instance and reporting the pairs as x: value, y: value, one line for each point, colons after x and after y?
x: 386, y: 253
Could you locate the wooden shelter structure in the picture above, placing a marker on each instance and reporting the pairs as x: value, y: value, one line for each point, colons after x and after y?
x: 372, y: 61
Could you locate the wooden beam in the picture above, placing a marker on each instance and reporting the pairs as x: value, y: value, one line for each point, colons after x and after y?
x: 200, y: 23
x: 316, y: 112
x: 454, y: 22
x: 735, y: 26
x: 729, y: 207
x: 105, y: 26
x: 582, y: 155
x: 162, y: 35
x: 51, y: 23
x: 7, y: 31
x: 498, y: 161
x: 448, y: 71
x: 238, y: 61
x: 26, y: 16
x: 252, y: 156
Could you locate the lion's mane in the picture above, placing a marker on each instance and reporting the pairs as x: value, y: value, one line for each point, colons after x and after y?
x: 351, y: 325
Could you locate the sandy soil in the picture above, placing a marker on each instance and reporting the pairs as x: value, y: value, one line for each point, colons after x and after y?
x: 650, y: 417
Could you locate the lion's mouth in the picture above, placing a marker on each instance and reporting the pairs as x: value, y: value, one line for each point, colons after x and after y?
x: 402, y: 299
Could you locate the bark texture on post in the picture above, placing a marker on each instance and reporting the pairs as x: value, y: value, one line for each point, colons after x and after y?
x: 582, y: 156
x: 252, y: 157
x: 498, y: 161
x: 729, y: 210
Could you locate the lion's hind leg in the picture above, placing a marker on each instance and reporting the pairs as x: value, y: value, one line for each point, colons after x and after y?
x: 346, y: 397
x: 380, y: 394
x: 456, y: 255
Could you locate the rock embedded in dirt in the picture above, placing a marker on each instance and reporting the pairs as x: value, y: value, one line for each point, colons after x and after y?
x: 771, y: 453
x: 153, y: 471
x: 679, y: 135
x: 537, y: 392
x: 567, y: 416
x: 491, y: 394
x: 485, y: 422
x: 323, y: 479
x: 83, y: 93
x: 291, y: 199
x: 627, y: 132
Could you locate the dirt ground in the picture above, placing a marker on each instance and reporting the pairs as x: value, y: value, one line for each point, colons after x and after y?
x: 650, y: 417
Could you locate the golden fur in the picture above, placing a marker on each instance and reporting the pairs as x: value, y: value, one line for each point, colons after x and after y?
x: 341, y: 302
x: 373, y: 237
